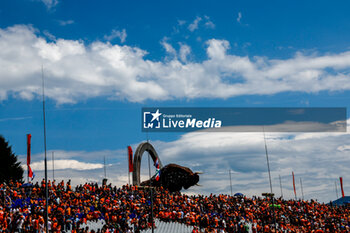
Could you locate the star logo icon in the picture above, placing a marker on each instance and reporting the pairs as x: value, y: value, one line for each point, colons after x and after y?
x: 156, y: 115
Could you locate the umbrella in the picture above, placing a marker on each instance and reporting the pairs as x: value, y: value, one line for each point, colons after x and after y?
x: 238, y: 194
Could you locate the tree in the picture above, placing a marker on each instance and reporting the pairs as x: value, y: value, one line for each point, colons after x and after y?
x: 10, y: 168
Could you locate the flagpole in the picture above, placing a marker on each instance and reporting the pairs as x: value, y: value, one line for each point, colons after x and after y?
x: 149, y: 172
x: 45, y: 160
x: 336, y: 189
x: 151, y: 193
x: 229, y: 171
x: 302, y: 191
x: 53, y: 166
x: 281, y: 186
x: 104, y: 165
x: 128, y: 162
x: 27, y: 162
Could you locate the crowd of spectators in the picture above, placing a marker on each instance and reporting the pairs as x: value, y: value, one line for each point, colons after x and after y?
x: 128, y: 209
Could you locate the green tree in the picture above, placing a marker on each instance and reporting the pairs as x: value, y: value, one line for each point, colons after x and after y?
x: 10, y: 168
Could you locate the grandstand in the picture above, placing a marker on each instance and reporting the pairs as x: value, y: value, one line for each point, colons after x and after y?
x: 91, y: 207
x: 169, y: 227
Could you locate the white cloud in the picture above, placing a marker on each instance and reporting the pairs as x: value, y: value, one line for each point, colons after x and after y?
x: 49, y: 35
x: 239, y: 17
x: 194, y: 25
x: 66, y: 164
x: 65, y: 22
x: 168, y: 48
x: 75, y: 71
x: 209, y: 23
x: 116, y: 34
x: 206, y: 21
x: 50, y: 3
x: 217, y: 49
x: 184, y: 52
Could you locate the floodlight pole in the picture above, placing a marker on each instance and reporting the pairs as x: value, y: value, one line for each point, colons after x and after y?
x: 45, y: 160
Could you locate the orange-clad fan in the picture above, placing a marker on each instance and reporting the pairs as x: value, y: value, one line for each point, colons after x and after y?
x: 128, y: 207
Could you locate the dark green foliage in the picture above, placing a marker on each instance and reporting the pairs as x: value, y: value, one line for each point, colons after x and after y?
x: 10, y: 168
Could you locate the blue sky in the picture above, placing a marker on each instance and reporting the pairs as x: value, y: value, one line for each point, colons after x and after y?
x: 103, y: 61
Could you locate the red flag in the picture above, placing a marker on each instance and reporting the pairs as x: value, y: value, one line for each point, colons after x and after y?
x: 341, y: 186
x: 30, y: 172
x: 131, y: 167
x: 29, y: 136
x: 295, y: 193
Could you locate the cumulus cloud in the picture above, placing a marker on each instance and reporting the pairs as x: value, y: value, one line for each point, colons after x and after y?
x: 117, y: 34
x: 75, y: 71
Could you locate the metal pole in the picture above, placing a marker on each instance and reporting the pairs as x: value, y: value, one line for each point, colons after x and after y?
x: 149, y: 173
x: 53, y: 166
x: 268, y: 163
x: 104, y: 166
x: 27, y: 161
x: 127, y: 162
x: 229, y: 172
x: 45, y: 160
x: 336, y: 189
x: 268, y: 169
x: 27, y: 166
x: 281, y: 186
x: 302, y: 191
